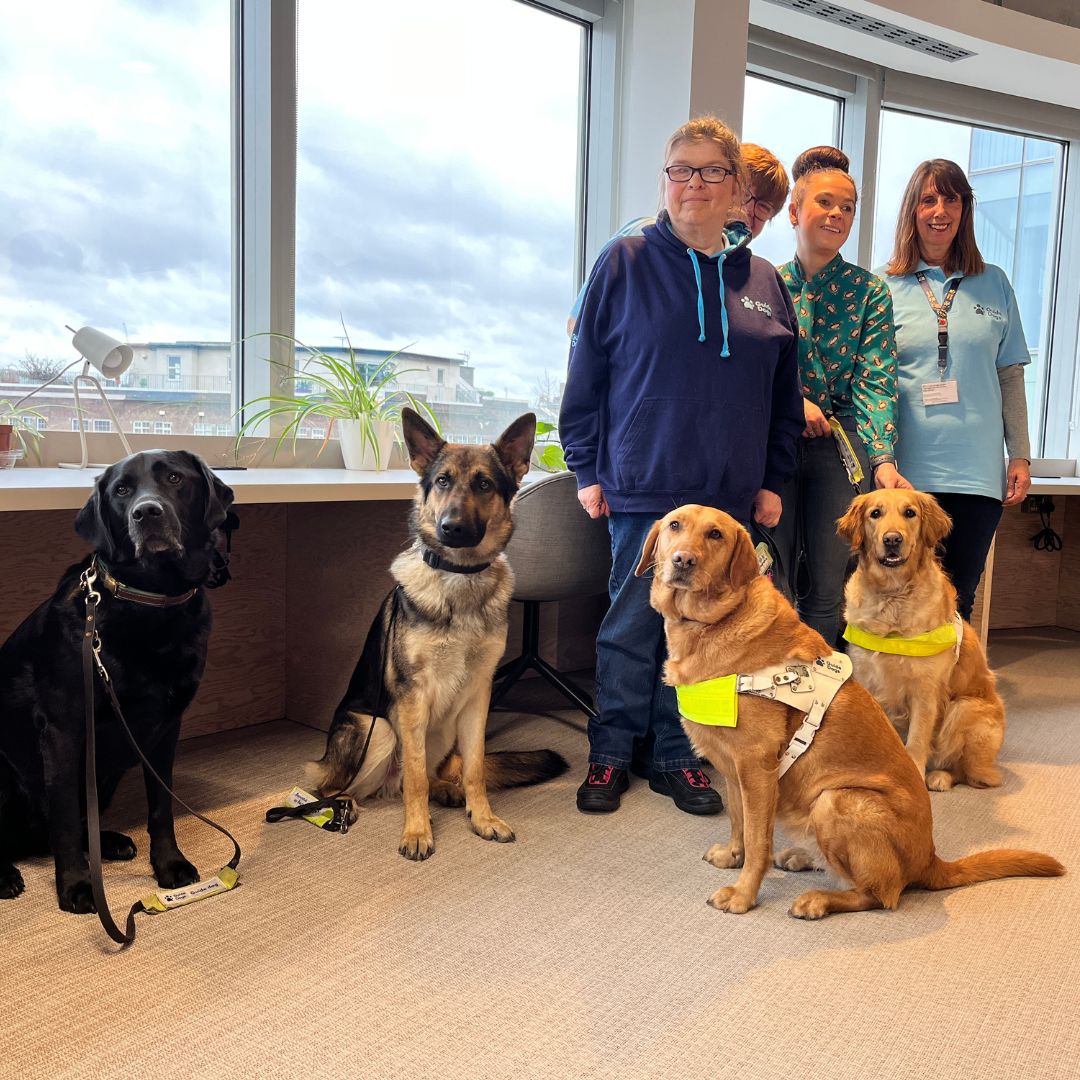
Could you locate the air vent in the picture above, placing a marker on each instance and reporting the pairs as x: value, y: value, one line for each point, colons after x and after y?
x: 883, y: 31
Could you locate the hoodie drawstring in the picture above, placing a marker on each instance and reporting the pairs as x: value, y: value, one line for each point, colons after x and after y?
x: 724, y: 351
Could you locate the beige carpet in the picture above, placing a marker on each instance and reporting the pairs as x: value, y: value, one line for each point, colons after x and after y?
x: 583, y: 950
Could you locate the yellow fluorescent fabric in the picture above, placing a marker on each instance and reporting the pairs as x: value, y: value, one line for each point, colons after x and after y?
x: 929, y: 643
x: 713, y: 702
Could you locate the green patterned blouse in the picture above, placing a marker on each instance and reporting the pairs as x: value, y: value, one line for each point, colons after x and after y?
x: 847, y: 348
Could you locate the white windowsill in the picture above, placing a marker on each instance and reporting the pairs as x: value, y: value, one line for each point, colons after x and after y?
x: 68, y: 489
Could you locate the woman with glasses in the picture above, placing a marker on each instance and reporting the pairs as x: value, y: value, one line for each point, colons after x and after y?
x: 847, y: 368
x: 682, y: 388
x: 764, y: 194
x: 961, y: 353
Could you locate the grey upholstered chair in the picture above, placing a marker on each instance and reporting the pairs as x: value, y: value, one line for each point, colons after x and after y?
x: 558, y: 553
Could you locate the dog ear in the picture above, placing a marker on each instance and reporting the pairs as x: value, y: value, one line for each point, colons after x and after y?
x: 515, y: 445
x: 743, y: 564
x: 423, y: 441
x: 648, y: 550
x: 851, y: 526
x: 936, y: 523
x: 92, y: 523
x: 219, y: 496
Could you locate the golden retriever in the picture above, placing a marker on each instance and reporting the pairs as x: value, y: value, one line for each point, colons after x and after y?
x: 855, y: 790
x: 946, y: 703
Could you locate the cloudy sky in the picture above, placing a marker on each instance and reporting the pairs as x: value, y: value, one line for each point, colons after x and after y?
x: 436, y: 177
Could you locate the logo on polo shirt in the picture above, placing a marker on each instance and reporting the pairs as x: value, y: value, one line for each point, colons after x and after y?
x: 990, y: 312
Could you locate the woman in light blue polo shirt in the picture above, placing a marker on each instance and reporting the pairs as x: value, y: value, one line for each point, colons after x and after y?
x: 960, y: 363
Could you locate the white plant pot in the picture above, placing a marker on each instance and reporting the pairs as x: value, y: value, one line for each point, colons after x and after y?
x: 357, y: 452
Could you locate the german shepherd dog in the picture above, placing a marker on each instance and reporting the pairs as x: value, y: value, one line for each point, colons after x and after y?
x: 422, y: 685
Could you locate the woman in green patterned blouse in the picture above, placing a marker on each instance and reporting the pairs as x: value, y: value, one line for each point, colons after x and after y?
x: 847, y: 367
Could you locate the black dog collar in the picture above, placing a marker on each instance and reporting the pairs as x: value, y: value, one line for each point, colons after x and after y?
x: 437, y: 562
x: 140, y: 596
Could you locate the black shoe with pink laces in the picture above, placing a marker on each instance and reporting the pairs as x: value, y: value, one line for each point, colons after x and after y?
x: 602, y: 789
x: 689, y: 788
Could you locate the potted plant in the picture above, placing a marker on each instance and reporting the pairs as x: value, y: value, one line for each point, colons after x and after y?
x: 15, y: 436
x: 358, y: 401
x: 548, y: 452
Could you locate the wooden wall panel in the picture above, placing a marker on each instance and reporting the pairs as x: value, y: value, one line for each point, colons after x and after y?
x: 245, y: 678
x: 1025, y: 584
x: 337, y: 576
x: 1068, y: 610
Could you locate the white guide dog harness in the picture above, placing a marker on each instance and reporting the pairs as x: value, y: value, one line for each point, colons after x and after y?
x: 810, y: 688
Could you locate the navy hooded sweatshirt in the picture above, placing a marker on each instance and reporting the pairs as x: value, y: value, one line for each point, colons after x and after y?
x: 683, y: 382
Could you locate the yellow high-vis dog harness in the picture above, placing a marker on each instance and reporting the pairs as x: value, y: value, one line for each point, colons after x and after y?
x: 810, y: 688
x: 948, y: 635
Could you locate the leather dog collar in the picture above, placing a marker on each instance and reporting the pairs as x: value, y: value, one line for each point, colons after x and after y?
x: 437, y: 562
x: 140, y: 596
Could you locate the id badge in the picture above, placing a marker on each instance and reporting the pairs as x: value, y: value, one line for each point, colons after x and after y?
x: 940, y: 393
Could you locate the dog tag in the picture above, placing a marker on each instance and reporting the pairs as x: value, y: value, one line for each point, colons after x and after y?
x: 944, y: 392
x: 223, y: 881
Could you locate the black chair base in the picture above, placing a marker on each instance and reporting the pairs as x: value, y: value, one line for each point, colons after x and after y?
x: 530, y: 657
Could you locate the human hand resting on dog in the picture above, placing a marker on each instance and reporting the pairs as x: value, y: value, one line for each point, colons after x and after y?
x: 592, y: 499
x: 886, y: 475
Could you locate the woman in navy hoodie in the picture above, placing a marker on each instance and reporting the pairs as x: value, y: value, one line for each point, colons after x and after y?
x: 682, y: 388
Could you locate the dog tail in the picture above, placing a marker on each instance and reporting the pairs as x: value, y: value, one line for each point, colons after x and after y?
x: 345, y: 766
x: 510, y: 768
x: 988, y: 865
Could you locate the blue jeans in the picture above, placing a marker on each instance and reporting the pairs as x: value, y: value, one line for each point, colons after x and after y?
x: 975, y: 519
x: 820, y: 492
x: 630, y: 650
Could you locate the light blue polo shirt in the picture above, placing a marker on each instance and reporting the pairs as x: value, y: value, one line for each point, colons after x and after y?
x: 955, y: 447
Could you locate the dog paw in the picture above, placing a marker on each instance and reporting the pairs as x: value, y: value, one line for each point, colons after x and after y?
x: 11, y: 882
x: 985, y: 779
x: 116, y: 847
x: 78, y: 898
x: 491, y: 828
x: 939, y: 780
x: 447, y: 794
x: 176, y: 874
x: 811, y: 905
x: 794, y: 859
x: 417, y: 846
x: 730, y: 900
x: 724, y: 857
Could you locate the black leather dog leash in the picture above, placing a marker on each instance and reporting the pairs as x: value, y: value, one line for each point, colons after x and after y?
x: 91, y: 659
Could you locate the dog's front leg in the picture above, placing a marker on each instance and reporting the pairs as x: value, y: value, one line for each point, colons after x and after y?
x: 730, y: 856
x: 759, y: 787
x: 417, y: 841
x: 922, y: 724
x: 62, y: 759
x: 471, y: 727
x: 171, y: 869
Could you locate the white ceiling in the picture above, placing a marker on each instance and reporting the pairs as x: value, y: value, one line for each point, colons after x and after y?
x: 1014, y: 53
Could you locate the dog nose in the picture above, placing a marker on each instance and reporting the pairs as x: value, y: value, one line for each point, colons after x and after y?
x: 147, y: 508
x: 683, y: 558
x: 892, y: 540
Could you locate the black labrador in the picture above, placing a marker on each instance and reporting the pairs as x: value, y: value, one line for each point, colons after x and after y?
x: 155, y: 522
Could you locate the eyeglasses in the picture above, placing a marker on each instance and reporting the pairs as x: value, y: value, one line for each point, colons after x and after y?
x: 763, y: 211
x: 711, y: 174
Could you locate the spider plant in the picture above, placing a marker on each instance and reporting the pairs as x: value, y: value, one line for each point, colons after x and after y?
x: 345, y: 389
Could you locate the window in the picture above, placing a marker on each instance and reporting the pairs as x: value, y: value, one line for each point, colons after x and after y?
x: 786, y: 120
x: 1017, y: 183
x: 174, y: 367
x: 101, y: 425
x: 436, y: 201
x: 141, y: 427
x: 115, y: 207
x: 162, y: 427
